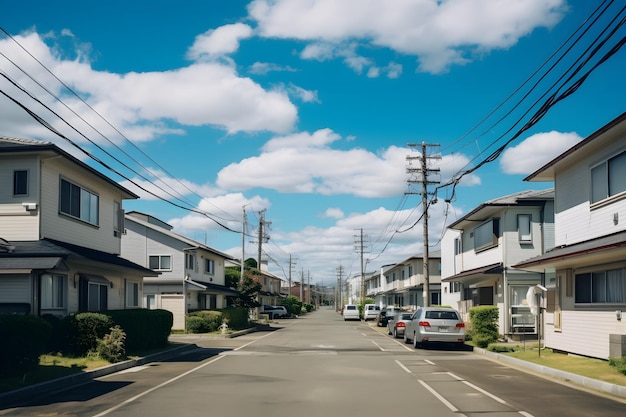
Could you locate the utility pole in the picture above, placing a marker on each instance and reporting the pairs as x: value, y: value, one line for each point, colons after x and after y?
x: 361, y: 249
x: 243, y: 241
x: 339, y: 288
x: 289, y: 275
x: 262, y: 236
x: 424, y: 172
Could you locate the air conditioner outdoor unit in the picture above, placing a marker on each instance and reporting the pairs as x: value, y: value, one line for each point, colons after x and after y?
x: 30, y: 206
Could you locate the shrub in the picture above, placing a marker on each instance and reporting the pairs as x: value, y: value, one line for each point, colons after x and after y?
x: 85, y: 329
x: 619, y: 364
x: 111, y: 346
x: 204, y: 321
x: 293, y: 305
x: 145, y: 329
x: 484, y: 321
x: 24, y: 339
x: 236, y: 317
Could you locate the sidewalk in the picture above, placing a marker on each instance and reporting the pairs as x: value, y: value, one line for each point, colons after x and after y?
x: 617, y: 391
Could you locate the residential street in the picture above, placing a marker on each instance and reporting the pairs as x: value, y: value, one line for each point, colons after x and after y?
x: 321, y: 365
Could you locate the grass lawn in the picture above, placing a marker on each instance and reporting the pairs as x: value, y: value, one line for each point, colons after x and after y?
x: 50, y: 367
x: 589, y: 367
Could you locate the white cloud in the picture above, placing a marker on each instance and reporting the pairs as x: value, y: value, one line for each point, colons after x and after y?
x: 306, y: 96
x: 536, y: 151
x: 142, y: 105
x: 333, y: 212
x: 263, y: 68
x: 439, y: 33
x: 221, y: 41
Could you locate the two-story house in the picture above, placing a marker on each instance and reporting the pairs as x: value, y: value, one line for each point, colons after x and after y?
x: 586, y: 271
x: 481, y: 247
x: 402, y: 284
x: 191, y: 274
x: 61, y: 223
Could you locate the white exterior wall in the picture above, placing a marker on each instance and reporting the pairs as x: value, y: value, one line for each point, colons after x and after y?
x: 575, y: 219
x: 16, y: 223
x: 583, y: 332
x: 66, y: 229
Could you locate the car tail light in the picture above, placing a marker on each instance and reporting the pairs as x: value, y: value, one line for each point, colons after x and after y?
x: 460, y: 325
x: 423, y: 324
x: 401, y: 324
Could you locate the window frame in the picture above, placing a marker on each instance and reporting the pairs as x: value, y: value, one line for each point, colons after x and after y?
x: 494, y: 232
x: 102, y: 296
x: 602, y: 173
x: 23, y: 183
x: 522, y: 236
x: 132, y: 294
x: 190, y: 261
x: 209, y: 266
x: 594, y: 288
x: 160, y: 262
x: 57, y: 297
x: 73, y: 205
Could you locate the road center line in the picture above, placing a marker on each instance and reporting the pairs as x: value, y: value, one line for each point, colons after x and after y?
x: 440, y: 397
x: 477, y: 388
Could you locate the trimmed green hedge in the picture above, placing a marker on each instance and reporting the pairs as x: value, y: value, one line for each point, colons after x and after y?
x: 484, y: 320
x: 145, y: 329
x: 24, y: 338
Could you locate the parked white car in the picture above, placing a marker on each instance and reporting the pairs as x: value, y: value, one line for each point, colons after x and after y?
x: 351, y: 312
x: 434, y: 324
x: 370, y: 311
x: 273, y: 312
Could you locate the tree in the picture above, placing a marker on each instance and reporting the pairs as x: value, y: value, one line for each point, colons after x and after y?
x: 248, y: 287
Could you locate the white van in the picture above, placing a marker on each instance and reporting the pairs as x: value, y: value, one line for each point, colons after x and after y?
x: 370, y: 311
x: 351, y: 312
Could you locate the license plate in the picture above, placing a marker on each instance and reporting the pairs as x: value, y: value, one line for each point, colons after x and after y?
x: 444, y: 329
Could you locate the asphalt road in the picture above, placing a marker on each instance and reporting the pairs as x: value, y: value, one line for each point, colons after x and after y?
x: 321, y: 365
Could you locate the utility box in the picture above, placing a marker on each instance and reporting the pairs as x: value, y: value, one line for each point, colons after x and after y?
x: 617, y: 345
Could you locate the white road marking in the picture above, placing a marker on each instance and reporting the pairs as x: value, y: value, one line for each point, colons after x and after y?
x: 403, y: 367
x: 477, y: 388
x: 169, y: 381
x: 440, y: 397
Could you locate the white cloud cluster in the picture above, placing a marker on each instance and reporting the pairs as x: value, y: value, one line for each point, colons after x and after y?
x: 439, y: 33
x: 536, y: 151
x: 145, y: 105
x: 217, y: 42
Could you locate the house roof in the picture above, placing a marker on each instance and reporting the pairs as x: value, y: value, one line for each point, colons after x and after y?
x: 47, y: 254
x: 546, y: 172
x: 142, y: 220
x: 491, y: 207
x: 602, y: 250
x: 476, y: 273
x: 16, y: 145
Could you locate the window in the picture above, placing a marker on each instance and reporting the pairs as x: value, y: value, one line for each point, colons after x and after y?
x: 209, y: 266
x: 189, y: 261
x: 524, y: 229
x: 160, y: 262
x: 118, y: 219
x: 150, y: 302
x: 486, y: 235
x: 410, y: 270
x: 608, y: 178
x: 78, y: 202
x: 97, y: 298
x: 458, y: 248
x: 20, y: 182
x: 601, y: 287
x: 132, y: 294
x: 53, y: 291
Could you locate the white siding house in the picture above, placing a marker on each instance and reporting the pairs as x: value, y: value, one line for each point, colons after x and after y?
x: 586, y: 271
x: 402, y: 284
x: 191, y: 274
x: 60, y: 230
x: 480, y: 248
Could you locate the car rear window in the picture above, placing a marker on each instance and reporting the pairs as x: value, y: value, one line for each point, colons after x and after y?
x: 351, y: 307
x: 444, y: 315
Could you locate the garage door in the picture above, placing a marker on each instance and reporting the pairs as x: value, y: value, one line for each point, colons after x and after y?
x: 175, y: 304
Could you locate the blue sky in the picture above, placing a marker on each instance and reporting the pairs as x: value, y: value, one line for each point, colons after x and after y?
x: 304, y: 109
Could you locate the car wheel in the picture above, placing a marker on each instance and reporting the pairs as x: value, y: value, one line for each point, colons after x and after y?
x: 395, y: 333
x: 416, y: 344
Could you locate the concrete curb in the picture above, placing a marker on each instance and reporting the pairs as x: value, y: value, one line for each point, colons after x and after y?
x: 594, y: 384
x: 61, y: 384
